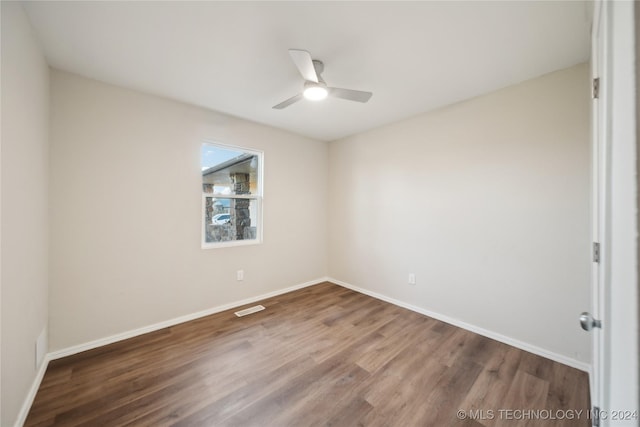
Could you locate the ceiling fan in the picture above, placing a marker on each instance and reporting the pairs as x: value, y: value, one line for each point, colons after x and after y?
x: 315, y: 88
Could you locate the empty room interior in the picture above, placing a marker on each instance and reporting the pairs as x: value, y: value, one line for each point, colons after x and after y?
x: 319, y: 213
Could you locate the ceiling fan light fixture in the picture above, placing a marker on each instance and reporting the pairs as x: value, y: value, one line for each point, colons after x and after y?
x: 315, y: 92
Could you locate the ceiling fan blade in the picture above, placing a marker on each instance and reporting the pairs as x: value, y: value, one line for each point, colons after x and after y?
x: 351, y: 95
x: 288, y: 102
x: 303, y: 61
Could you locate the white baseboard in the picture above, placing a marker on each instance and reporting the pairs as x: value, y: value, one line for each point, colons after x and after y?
x: 28, y: 401
x: 172, y: 322
x: 472, y: 328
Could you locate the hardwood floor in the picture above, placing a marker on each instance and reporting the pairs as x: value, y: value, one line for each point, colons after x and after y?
x: 319, y: 356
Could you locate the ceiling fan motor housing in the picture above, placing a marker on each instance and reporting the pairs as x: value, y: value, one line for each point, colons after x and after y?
x: 319, y: 67
x: 320, y: 83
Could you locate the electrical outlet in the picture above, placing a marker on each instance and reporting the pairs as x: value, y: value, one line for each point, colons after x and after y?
x: 240, y: 275
x: 412, y: 279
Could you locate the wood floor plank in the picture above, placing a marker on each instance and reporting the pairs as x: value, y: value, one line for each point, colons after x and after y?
x: 350, y: 415
x: 320, y: 356
x: 488, y: 393
x: 526, y: 394
x: 446, y: 395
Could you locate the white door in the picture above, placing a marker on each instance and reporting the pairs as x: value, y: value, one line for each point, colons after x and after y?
x: 599, y: 196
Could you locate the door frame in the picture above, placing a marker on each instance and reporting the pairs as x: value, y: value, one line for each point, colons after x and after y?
x: 599, y: 173
x: 615, y: 370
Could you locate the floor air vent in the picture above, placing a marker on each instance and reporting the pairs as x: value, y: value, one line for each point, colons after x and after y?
x: 250, y: 310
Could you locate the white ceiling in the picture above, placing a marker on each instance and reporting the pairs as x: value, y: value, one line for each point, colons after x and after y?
x: 232, y: 56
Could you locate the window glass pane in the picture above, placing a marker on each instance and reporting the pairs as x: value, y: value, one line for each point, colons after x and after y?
x: 226, y: 171
x: 228, y: 220
x: 232, y: 194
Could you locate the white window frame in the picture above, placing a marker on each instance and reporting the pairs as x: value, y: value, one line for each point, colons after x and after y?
x: 258, y: 198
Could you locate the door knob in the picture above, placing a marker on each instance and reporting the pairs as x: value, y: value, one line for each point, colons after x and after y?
x: 588, y: 322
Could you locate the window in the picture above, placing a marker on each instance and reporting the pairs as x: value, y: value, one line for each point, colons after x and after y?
x: 231, y: 196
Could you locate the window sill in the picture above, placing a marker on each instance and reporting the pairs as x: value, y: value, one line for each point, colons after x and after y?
x: 231, y: 244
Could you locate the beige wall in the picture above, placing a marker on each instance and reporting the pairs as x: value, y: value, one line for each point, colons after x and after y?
x: 126, y: 211
x: 25, y: 230
x: 486, y: 201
